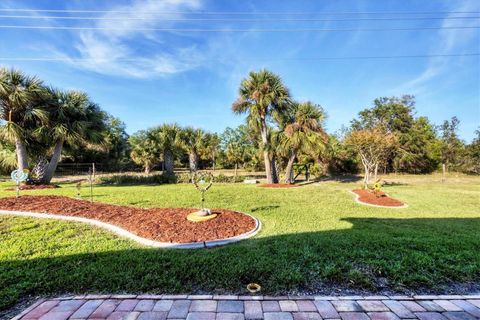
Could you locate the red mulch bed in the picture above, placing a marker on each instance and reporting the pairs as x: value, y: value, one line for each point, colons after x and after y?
x: 160, y: 224
x: 278, y: 185
x: 34, y: 187
x: 379, y: 199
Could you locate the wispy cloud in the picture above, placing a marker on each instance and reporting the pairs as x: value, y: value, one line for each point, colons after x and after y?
x: 450, y: 41
x: 118, y: 51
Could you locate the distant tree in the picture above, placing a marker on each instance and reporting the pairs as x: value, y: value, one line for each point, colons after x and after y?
x: 263, y: 96
x: 237, y: 146
x: 194, y: 142
x: 416, y: 136
x: 451, y: 145
x: 212, y: 143
x: 169, y: 138
x: 471, y: 162
x: 373, y: 146
x: 21, y: 109
x: 116, y: 140
x: 302, y: 133
x: 145, y: 150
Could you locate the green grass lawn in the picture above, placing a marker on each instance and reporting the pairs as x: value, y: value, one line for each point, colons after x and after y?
x: 314, y: 238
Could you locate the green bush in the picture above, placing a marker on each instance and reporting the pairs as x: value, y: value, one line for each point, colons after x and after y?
x: 134, y: 179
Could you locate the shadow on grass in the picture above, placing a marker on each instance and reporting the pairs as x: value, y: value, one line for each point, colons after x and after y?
x: 343, y: 178
x: 373, y: 255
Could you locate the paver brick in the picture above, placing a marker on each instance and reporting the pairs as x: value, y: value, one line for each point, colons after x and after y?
x: 179, y: 309
x: 253, y: 310
x: 354, y: 316
x: 270, y: 306
x: 447, y: 305
x: 306, y: 306
x: 68, y: 305
x: 41, y: 309
x: 430, y: 316
x: 60, y: 315
x: 230, y: 316
x: 399, y: 309
x: 203, y: 306
x: 145, y: 305
x: 201, y: 316
x: 151, y: 315
x: 277, y: 316
x: 86, y: 309
x: 306, y: 316
x: 413, y: 306
x: 230, y: 306
x: 163, y: 305
x: 455, y: 315
x: 467, y: 306
x: 346, y: 306
x: 430, y: 306
x: 326, y: 309
x: 383, y: 316
x: 117, y: 315
x: 475, y: 302
x: 104, y: 310
x: 127, y: 305
x: 288, y: 305
x: 372, y: 305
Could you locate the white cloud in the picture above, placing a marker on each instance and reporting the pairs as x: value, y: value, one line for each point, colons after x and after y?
x: 115, y: 52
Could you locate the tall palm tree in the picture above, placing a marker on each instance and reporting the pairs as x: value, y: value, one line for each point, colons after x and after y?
x: 73, y: 120
x: 263, y: 96
x: 194, y: 142
x: 302, y: 132
x: 22, y: 109
x: 168, y: 136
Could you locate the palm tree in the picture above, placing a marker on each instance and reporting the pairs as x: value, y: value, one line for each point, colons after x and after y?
x: 302, y: 132
x: 194, y: 142
x: 21, y: 107
x: 73, y: 120
x: 146, y: 151
x: 168, y: 136
x: 263, y: 96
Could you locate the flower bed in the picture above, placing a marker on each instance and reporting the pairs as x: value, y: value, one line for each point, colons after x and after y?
x: 377, y: 199
x: 160, y: 224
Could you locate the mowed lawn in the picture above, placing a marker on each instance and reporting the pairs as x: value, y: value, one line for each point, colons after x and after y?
x: 314, y: 239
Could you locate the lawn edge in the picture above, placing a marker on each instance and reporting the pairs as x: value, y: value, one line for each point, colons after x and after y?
x: 144, y: 241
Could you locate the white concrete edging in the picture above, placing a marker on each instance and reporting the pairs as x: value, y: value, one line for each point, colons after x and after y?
x: 147, y: 242
x: 357, y: 200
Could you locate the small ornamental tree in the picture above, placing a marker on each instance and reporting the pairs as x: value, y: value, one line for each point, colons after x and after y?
x: 373, y: 146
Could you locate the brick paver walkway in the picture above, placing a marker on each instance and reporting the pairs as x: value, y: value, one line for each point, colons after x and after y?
x: 206, y: 307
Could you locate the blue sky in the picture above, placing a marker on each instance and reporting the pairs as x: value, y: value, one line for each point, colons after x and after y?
x: 148, y: 77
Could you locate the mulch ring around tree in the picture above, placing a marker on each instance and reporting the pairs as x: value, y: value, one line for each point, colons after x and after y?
x: 34, y: 187
x: 278, y: 185
x: 378, y: 199
x: 159, y: 224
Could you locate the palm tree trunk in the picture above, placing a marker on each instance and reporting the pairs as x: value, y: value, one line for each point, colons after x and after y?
x: 168, y: 158
x: 40, y: 169
x: 148, y: 168
x: 236, y: 167
x: 52, y: 166
x: 193, y: 161
x: 22, y: 156
x: 274, y: 169
x: 266, y: 156
x: 289, y: 169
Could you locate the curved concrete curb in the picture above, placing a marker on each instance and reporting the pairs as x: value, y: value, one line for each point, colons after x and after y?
x: 147, y: 242
x: 357, y: 200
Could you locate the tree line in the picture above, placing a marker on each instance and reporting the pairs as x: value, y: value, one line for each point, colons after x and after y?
x: 42, y: 125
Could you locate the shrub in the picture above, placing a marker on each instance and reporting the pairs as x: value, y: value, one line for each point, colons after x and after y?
x: 134, y: 179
